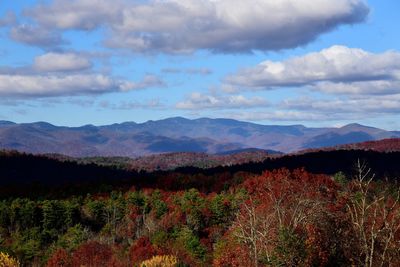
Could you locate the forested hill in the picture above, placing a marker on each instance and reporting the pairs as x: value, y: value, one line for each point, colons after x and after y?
x: 384, y: 145
x: 27, y: 173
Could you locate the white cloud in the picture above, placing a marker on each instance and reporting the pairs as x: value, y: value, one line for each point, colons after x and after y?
x: 363, y: 106
x: 351, y: 68
x: 35, y: 36
x: 67, y: 85
x: 381, y: 87
x: 366, y: 85
x: 76, y: 14
x: 182, y: 26
x: 51, y: 85
x: 56, y: 62
x: 65, y: 74
x: 202, y: 101
x: 325, y: 109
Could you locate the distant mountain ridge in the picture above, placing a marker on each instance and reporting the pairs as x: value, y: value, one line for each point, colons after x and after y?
x: 213, y: 136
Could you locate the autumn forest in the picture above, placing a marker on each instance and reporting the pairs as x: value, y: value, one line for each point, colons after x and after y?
x: 266, y: 212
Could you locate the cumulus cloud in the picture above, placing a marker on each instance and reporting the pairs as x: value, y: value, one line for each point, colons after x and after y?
x: 336, y: 68
x: 47, y: 85
x: 52, y: 85
x: 36, y: 36
x: 183, y: 26
x: 202, y: 101
x: 65, y: 74
x: 325, y: 109
x: 381, y: 87
x: 366, y: 85
x: 56, y: 62
x: 77, y: 14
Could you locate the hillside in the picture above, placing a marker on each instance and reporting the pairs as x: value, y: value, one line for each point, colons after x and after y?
x: 385, y: 145
x: 24, y: 173
x: 171, y: 161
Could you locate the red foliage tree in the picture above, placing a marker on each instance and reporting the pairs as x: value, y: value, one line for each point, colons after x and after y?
x: 92, y: 254
x: 282, y: 217
x: 60, y: 258
x: 229, y: 252
x: 141, y: 250
x: 116, y: 262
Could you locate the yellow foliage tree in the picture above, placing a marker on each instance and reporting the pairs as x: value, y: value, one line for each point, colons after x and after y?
x: 160, y: 261
x: 8, y: 261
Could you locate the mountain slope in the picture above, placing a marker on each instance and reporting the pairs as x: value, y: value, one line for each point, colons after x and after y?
x: 178, y: 134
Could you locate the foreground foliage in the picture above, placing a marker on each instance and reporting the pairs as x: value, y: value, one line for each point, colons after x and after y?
x: 278, y: 218
x: 164, y: 261
x: 7, y: 261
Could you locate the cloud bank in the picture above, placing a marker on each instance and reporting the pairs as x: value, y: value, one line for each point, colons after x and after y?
x: 337, y: 69
x: 184, y: 26
x: 55, y: 62
x: 36, y: 36
x: 65, y: 74
x: 50, y: 85
x: 386, y: 104
x: 69, y: 85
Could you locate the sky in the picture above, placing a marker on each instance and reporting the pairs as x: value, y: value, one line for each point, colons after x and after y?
x: 312, y: 62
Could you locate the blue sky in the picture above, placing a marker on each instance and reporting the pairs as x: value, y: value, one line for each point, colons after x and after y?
x: 311, y: 62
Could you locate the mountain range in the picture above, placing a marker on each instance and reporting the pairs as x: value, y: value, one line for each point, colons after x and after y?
x: 213, y: 136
